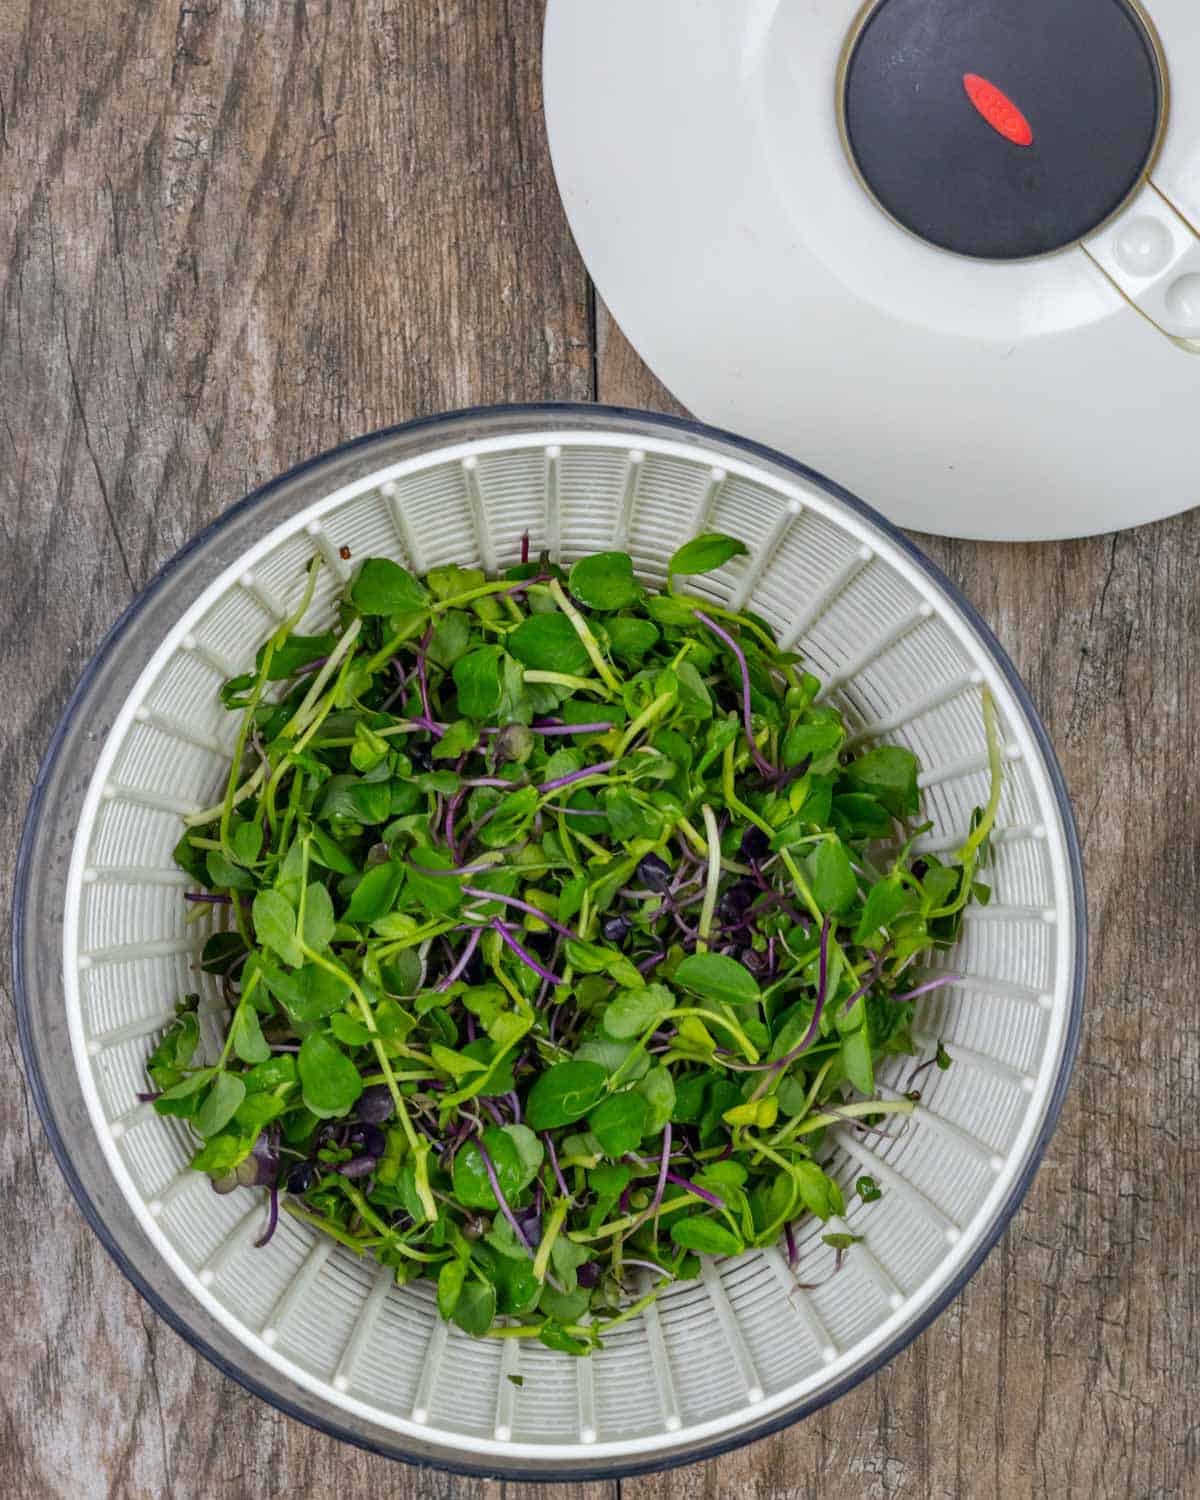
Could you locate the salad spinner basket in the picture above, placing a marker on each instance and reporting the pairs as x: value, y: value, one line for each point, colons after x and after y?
x: 102, y: 948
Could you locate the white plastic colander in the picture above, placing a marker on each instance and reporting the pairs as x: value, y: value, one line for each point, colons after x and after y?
x: 102, y: 949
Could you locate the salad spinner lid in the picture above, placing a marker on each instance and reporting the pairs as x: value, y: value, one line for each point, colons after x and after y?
x: 948, y: 253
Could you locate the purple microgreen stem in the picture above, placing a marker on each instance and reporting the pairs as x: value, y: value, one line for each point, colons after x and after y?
x: 760, y: 760
x: 498, y: 1191
x: 526, y: 906
x: 522, y: 953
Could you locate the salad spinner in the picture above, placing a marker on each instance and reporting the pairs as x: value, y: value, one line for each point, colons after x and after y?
x: 946, y: 250
x: 103, y: 950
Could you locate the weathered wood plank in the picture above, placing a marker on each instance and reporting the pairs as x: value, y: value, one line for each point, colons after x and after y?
x: 235, y: 234
x: 231, y: 235
x: 1069, y: 1367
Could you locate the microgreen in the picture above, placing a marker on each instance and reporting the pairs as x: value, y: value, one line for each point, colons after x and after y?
x: 558, y: 924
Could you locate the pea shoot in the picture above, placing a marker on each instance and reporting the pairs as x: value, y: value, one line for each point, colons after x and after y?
x: 561, y: 924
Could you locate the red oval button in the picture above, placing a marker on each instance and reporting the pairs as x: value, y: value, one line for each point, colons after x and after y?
x: 998, y: 110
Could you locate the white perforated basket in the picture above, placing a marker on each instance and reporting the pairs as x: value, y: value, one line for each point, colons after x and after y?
x: 331, y: 1338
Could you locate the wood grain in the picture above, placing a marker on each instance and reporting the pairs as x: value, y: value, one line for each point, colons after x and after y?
x: 1070, y: 1365
x: 233, y: 233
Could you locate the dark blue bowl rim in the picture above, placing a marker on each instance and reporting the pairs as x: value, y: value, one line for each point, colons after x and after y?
x: 575, y: 1473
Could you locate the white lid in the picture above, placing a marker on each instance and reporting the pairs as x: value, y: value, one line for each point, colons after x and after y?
x: 699, y: 158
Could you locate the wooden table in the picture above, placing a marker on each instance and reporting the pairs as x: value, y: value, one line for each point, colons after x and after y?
x: 236, y: 232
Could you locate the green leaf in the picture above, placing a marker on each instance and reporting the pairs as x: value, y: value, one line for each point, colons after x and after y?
x: 310, y: 994
x: 592, y: 958
x: 295, y: 652
x: 635, y: 1011
x: 225, y: 875
x: 319, y: 921
x: 451, y: 1279
x: 326, y: 851
x: 439, y: 894
x: 604, y: 581
x: 856, y: 1060
x: 705, y: 1236
x: 248, y: 1040
x: 450, y: 639
x: 460, y: 737
x: 669, y: 611
x: 854, y: 815
x: 695, y: 1034
x: 477, y: 679
x: 530, y: 1152
x: 275, y: 926
x: 888, y: 773
x: 841, y: 1241
x: 174, y: 1051
x: 694, y: 699
x: 356, y: 800
x: 629, y: 640
x: 385, y: 588
x: 607, y: 1181
x: 868, y: 1189
x: 376, y: 892
x: 257, y: 1111
x: 834, y: 884
x: 548, y: 643
x: 715, y: 976
x: 192, y: 860
x: 457, y: 1064
x: 507, y: 1029
x: 722, y: 1094
x: 247, y: 839
x: 704, y: 554
x: 219, y: 1104
x: 516, y: 812
x: 329, y: 1080
x: 817, y: 737
x: 401, y: 975
x: 369, y: 748
x: 475, y: 1309
x: 564, y: 1093
x: 619, y: 1123
x: 273, y: 1073
x: 885, y: 901
x: 394, y: 1023
x: 222, y: 952
x: 517, y: 1288
x: 451, y: 581
x: 628, y: 818
x: 347, y: 1030
x: 472, y: 1186
x: 614, y: 1056
x: 564, y: 1307
x: 570, y: 897
x: 181, y: 1098
x: 760, y: 1113
x: 502, y: 1237
x: 224, y: 1151
x: 819, y: 1193
x: 689, y: 1098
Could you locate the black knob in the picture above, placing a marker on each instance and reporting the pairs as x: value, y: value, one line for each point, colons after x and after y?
x: 1002, y: 129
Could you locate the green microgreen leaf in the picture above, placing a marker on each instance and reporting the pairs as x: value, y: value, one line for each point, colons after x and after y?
x: 718, y: 977
x: 564, y: 1093
x: 549, y: 643
x: 604, y: 581
x: 385, y: 588
x: 329, y: 1080
x: 705, y: 554
x: 560, y: 929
